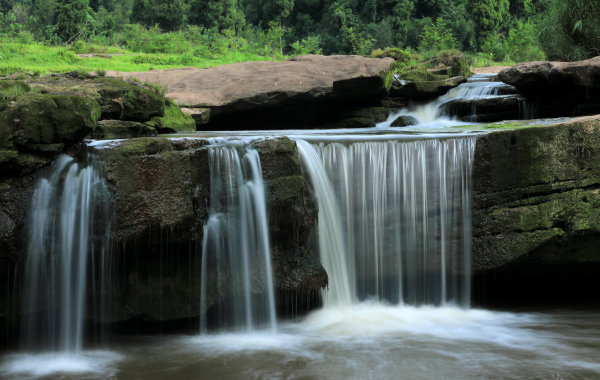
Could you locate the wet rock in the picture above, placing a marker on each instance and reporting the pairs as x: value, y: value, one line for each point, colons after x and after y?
x: 404, y: 121
x: 33, y: 125
x: 536, y: 202
x: 117, y: 129
x: 426, y: 90
x: 175, y: 120
x: 487, y: 109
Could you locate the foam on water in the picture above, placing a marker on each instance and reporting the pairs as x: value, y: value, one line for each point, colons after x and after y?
x: 28, y: 365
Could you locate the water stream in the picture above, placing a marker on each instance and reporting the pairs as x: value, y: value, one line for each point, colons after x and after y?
x: 236, y: 250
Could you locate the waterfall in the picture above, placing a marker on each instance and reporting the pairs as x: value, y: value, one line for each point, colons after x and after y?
x: 435, y: 113
x: 236, y: 259
x: 69, y: 226
x: 394, y: 219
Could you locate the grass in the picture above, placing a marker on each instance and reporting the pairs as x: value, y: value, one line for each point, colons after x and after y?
x: 36, y: 59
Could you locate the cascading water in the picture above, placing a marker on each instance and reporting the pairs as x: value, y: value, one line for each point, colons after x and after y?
x: 436, y: 114
x: 236, y: 259
x: 69, y: 228
x: 394, y: 219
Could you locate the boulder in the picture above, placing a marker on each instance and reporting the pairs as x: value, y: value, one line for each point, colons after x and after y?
x: 175, y: 120
x: 426, y: 90
x: 201, y: 116
x: 549, y: 75
x: 404, y: 121
x: 306, y: 89
x: 132, y: 101
x: 38, y: 127
x: 560, y: 87
x: 490, y: 109
x: 117, y: 129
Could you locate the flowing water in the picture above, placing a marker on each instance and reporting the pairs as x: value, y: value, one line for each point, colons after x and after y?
x: 393, y: 233
x: 235, y: 252
x: 394, y: 219
x: 69, y: 234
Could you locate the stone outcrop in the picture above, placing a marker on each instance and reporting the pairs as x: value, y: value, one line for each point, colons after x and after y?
x: 300, y: 92
x: 426, y: 90
x: 562, y: 87
x: 161, y: 189
x: 489, y: 109
x: 536, y: 202
x: 404, y: 121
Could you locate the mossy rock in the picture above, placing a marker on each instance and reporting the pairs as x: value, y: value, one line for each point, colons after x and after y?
x: 117, y: 129
x: 48, y: 119
x: 175, y: 120
x: 418, y: 76
x: 12, y: 88
x: 426, y: 90
x: 405, y: 121
x: 123, y: 100
x: 8, y: 155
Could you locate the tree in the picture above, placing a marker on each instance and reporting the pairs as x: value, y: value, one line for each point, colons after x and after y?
x: 70, y: 17
x: 219, y: 14
x: 489, y: 16
x: 168, y: 14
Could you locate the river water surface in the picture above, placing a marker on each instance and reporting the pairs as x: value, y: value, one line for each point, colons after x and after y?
x: 363, y: 341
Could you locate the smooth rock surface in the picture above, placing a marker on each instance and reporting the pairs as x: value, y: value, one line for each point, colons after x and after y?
x: 297, y: 83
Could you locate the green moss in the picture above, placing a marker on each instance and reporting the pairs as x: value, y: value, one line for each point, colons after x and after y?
x: 285, y: 189
x: 174, y: 120
x: 8, y: 155
x: 126, y: 101
x: 49, y: 119
x: 116, y: 129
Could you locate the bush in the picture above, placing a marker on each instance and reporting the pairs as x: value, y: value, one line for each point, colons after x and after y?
x: 520, y: 45
x: 437, y: 37
x: 571, y: 29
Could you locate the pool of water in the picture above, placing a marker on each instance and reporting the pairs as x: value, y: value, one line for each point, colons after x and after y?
x: 364, y: 341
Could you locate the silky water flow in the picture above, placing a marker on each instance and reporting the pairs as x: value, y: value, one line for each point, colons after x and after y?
x: 68, y: 251
x: 236, y: 259
x: 394, y: 219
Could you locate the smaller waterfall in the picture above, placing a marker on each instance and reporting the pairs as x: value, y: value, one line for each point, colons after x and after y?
x: 236, y: 258
x: 435, y: 113
x: 69, y: 226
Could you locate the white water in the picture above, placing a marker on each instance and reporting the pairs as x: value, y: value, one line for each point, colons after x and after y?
x: 236, y: 254
x: 67, y: 203
x: 394, y: 219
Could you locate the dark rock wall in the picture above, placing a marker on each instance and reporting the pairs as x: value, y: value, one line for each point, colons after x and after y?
x: 536, y: 206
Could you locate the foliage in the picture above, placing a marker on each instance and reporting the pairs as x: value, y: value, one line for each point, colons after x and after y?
x: 70, y: 17
x: 571, y: 30
x: 437, y: 37
x: 309, y: 45
x: 489, y: 16
x: 519, y: 46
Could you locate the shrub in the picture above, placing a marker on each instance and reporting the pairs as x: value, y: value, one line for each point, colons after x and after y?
x: 571, y: 29
x: 437, y: 37
x: 101, y: 73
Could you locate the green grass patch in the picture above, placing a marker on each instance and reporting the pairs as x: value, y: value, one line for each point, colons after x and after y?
x: 37, y: 59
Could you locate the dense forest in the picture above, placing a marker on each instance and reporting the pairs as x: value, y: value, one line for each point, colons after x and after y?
x: 497, y: 30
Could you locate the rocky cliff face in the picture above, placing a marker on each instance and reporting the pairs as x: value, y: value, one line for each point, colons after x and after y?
x: 161, y: 192
x: 536, y: 204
